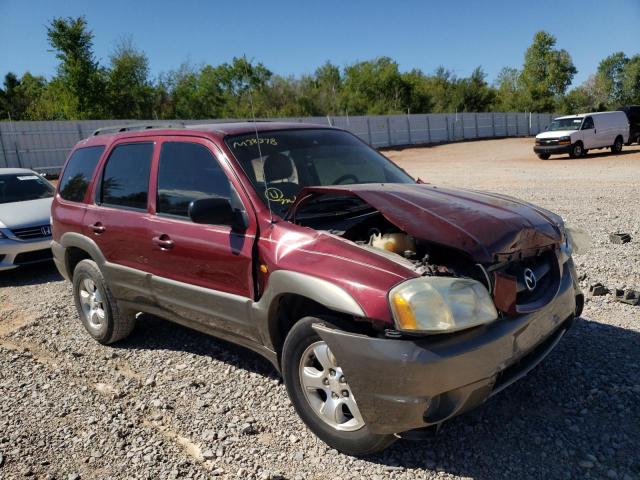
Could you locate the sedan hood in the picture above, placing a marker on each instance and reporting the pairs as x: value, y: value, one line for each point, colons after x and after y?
x: 486, y: 226
x: 25, y: 214
x: 555, y: 134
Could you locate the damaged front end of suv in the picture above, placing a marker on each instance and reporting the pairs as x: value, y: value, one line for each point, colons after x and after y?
x: 469, y: 292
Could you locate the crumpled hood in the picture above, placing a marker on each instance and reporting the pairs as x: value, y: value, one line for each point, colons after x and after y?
x: 25, y: 214
x: 479, y: 224
x: 555, y: 134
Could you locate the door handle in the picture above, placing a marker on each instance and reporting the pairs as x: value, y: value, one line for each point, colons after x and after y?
x: 97, y: 228
x: 164, y: 242
x: 595, y: 131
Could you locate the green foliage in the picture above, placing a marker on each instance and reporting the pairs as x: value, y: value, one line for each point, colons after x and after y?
x: 129, y: 92
x: 82, y: 88
x: 79, y: 74
x: 546, y: 74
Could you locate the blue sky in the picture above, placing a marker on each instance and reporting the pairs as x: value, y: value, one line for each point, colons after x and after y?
x: 294, y: 37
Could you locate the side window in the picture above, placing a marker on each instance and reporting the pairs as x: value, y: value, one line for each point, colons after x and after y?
x: 78, y: 173
x: 587, y: 124
x: 187, y: 172
x: 125, y: 179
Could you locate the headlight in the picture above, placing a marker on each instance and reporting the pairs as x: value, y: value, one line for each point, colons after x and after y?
x: 440, y: 304
x: 578, y: 240
x: 564, y: 140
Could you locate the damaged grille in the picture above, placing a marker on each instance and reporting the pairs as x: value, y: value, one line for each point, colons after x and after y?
x: 531, y: 283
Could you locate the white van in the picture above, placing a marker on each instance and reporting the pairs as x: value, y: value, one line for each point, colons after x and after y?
x: 577, y: 134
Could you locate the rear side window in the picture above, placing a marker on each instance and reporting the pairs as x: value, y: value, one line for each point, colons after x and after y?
x: 78, y: 173
x: 188, y: 171
x: 125, y: 180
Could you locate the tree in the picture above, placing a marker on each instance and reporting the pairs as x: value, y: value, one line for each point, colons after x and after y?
x: 508, y: 91
x: 328, y: 83
x: 373, y: 87
x: 473, y: 94
x: 18, y: 96
x: 78, y: 72
x: 546, y: 74
x: 129, y: 91
x: 609, y: 77
x: 630, y: 82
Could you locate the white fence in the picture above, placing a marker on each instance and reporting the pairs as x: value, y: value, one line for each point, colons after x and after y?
x: 45, y: 145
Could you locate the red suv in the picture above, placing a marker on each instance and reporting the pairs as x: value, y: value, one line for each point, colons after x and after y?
x: 387, y: 304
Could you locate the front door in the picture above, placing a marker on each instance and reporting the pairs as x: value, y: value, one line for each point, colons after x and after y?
x: 202, y: 273
x: 588, y: 133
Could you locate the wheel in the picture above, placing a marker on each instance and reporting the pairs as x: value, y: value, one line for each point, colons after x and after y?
x: 576, y: 150
x: 321, y: 395
x: 543, y: 156
x: 99, y: 312
x: 617, y: 145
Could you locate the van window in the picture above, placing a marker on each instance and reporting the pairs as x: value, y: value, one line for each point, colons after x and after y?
x: 125, y: 180
x: 587, y: 124
x: 187, y: 172
x: 78, y: 172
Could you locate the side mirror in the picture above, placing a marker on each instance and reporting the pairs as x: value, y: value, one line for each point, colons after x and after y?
x: 218, y: 211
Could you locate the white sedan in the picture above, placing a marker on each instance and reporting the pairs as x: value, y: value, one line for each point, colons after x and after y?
x: 25, y: 213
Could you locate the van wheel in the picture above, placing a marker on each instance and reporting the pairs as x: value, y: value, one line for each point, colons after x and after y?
x: 617, y: 145
x: 543, y: 156
x: 577, y: 150
x: 99, y: 312
x: 321, y: 395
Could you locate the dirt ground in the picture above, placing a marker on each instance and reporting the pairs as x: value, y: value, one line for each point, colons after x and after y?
x: 172, y: 403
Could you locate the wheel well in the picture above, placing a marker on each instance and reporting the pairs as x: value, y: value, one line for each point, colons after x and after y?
x: 74, y: 256
x: 291, y: 308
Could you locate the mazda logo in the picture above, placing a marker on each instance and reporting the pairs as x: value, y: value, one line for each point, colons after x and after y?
x: 530, y: 280
x: 46, y: 230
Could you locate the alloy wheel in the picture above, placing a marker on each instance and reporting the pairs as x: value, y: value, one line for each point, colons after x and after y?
x: 327, y: 390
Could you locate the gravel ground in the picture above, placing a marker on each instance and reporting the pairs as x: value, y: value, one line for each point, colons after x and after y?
x: 172, y: 403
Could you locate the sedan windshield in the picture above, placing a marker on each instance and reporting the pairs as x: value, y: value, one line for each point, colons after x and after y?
x: 565, y: 124
x: 294, y: 159
x: 24, y: 186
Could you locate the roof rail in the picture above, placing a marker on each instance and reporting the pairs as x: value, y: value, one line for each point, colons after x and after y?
x: 135, y: 127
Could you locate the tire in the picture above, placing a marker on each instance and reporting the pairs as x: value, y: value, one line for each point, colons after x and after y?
x: 543, y: 156
x: 617, y: 145
x: 577, y: 150
x: 352, y: 436
x: 99, y: 312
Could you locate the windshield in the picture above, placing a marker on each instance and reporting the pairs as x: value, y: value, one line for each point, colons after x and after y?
x: 566, y: 124
x: 294, y: 159
x: 24, y: 186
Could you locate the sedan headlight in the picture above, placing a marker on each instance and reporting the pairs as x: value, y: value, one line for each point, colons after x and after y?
x: 440, y: 304
x: 578, y: 240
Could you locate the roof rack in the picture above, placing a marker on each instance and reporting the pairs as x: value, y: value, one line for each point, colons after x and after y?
x: 135, y: 127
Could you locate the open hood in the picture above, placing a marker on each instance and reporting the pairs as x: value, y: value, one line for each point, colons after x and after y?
x: 485, y: 226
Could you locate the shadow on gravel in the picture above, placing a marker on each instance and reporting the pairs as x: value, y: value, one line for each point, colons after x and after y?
x: 154, y: 333
x: 575, y: 416
x: 30, y: 275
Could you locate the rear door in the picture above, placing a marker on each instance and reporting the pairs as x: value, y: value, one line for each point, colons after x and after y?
x: 117, y: 219
x: 602, y: 131
x: 203, y: 273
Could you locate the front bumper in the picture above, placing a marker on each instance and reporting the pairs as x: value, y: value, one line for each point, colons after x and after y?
x: 406, y: 384
x: 552, y: 149
x: 14, y: 253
